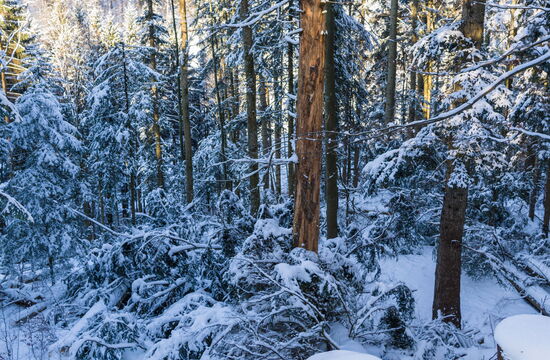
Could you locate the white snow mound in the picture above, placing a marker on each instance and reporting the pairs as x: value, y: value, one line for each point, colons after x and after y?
x: 524, y: 337
x: 342, y: 355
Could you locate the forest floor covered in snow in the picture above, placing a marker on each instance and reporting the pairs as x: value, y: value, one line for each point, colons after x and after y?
x: 484, y: 304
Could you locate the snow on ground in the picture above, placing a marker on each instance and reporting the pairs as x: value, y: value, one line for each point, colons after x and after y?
x: 484, y: 302
x: 28, y: 341
x: 26, y: 333
x: 525, y: 337
x: 342, y: 355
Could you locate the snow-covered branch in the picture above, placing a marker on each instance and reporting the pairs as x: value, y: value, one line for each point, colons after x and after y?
x: 514, y: 7
x: 468, y: 104
x: 257, y: 16
x: 17, y: 205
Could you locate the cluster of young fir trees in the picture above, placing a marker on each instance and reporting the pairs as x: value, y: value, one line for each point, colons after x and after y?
x: 198, y: 177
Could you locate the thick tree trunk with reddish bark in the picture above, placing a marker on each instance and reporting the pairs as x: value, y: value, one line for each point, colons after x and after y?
x: 309, y: 125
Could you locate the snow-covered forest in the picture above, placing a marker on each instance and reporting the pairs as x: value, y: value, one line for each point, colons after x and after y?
x: 274, y: 179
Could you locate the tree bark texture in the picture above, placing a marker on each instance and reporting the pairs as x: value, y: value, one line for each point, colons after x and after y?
x: 264, y: 128
x: 535, y: 189
x: 413, y: 75
x: 252, y: 127
x: 448, y: 268
x: 154, y: 92
x: 453, y: 215
x: 226, y: 184
x: 473, y: 16
x: 389, y: 113
x: 309, y: 125
x: 427, y: 79
x: 278, y: 130
x: 185, y: 115
x: 291, y: 178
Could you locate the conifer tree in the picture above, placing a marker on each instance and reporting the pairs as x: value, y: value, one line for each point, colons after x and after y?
x: 45, y: 146
x: 16, y: 42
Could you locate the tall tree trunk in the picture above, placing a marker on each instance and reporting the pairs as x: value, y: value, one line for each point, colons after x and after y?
x: 546, y: 220
x: 125, y: 200
x: 346, y: 174
x: 154, y: 91
x: 356, y: 168
x: 264, y: 128
x: 86, y: 207
x: 132, y: 151
x: 139, y: 197
x: 473, y: 19
x: 512, y: 32
x: 413, y: 75
x: 7, y: 119
x: 291, y: 178
x: 535, y: 189
x: 278, y: 128
x: 178, y: 69
x: 101, y: 203
x: 389, y: 113
x: 309, y: 125
x: 427, y: 78
x: 225, y: 181
x: 252, y: 126
x: 133, y: 198
x: 331, y: 187
x: 356, y: 148
x: 185, y: 115
x: 235, y: 101
x: 448, y: 268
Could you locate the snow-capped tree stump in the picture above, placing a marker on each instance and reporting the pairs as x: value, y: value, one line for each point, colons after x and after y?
x: 523, y: 337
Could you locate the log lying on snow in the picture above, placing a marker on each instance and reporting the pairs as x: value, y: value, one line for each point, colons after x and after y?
x: 534, y: 294
x: 536, y: 268
x: 29, y: 313
x: 19, y: 297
